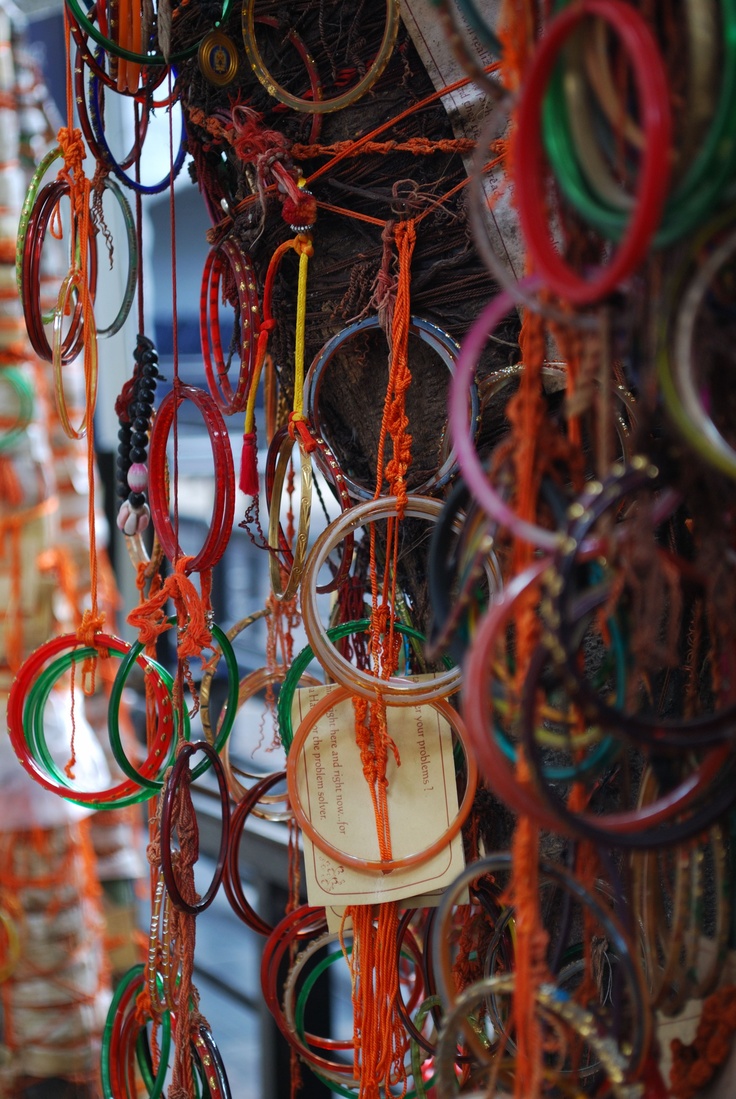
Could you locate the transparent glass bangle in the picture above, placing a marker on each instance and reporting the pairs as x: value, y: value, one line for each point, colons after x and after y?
x: 16, y: 380
x: 285, y: 591
x: 72, y: 282
x: 396, y: 690
x: 319, y: 106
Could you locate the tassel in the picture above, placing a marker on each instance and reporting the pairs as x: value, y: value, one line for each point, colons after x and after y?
x: 249, y: 465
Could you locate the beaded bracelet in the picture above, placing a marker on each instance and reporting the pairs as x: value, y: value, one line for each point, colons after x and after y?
x: 228, y: 399
x: 430, y: 334
x: 301, y: 735
x: 134, y: 407
x: 86, y: 22
x: 396, y: 690
x: 170, y: 800
x: 319, y: 106
x: 529, y: 174
x: 223, y: 508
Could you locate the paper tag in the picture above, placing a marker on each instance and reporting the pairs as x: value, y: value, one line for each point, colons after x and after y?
x: 422, y: 803
x: 334, y: 913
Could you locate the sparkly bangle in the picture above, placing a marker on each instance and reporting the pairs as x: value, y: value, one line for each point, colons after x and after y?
x: 395, y: 690
x: 309, y: 722
x: 223, y: 508
x: 283, y: 444
x: 170, y: 798
x: 319, y: 106
x: 29, y: 203
x: 529, y: 170
x: 228, y: 399
x: 117, y: 1055
x: 435, y: 338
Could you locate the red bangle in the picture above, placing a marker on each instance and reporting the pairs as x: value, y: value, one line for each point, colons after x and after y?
x: 173, y: 785
x: 530, y: 175
x: 231, y: 882
x: 223, y: 508
x: 229, y: 400
x: 22, y: 684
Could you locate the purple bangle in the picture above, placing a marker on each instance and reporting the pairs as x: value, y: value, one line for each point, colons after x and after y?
x: 462, y: 432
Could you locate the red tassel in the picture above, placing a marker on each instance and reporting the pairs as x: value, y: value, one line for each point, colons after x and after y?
x: 249, y: 465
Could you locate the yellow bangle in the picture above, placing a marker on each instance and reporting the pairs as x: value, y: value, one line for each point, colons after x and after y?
x: 319, y: 106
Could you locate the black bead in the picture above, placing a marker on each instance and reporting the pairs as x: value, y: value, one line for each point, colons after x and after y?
x: 123, y: 461
x: 136, y: 500
x: 140, y: 424
x: 124, y: 433
x: 150, y: 372
x: 137, y: 454
x: 140, y: 439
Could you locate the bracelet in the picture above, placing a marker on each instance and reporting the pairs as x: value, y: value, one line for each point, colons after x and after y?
x: 26, y: 734
x: 134, y: 408
x: 247, y: 316
x: 107, y: 158
x: 529, y: 174
x: 233, y: 886
x: 250, y: 685
x: 223, y: 507
x: 282, y: 446
x: 709, y: 169
x: 500, y: 863
x: 435, y: 338
x: 131, y: 278
x: 319, y: 106
x: 117, y: 1056
x: 86, y: 23
x: 209, y: 1063
x: 396, y: 690
x: 154, y: 75
x: 29, y: 203
x: 171, y: 797
x: 15, y: 422
x: 74, y: 281
x: 309, y: 722
x: 683, y: 394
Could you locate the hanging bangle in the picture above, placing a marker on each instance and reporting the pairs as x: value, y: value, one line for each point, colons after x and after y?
x: 282, y: 445
x: 132, y: 272
x: 17, y: 419
x: 319, y: 106
x: 115, y: 1055
x: 229, y: 400
x: 86, y: 22
x: 223, y: 508
x: 233, y: 886
x: 434, y: 337
x: 309, y: 722
x: 74, y: 281
x: 530, y: 176
x: 171, y: 792
x: 396, y: 690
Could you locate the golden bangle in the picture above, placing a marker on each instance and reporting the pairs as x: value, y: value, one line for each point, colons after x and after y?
x: 74, y: 281
x: 288, y: 591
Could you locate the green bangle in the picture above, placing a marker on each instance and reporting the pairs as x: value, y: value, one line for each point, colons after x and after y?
x: 302, y: 661
x: 133, y: 260
x: 417, y: 1052
x: 233, y: 683
x: 23, y: 388
x: 90, y: 28
x: 154, y: 1086
x: 702, y: 184
x: 25, y: 216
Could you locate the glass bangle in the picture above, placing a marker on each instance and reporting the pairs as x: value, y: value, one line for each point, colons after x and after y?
x: 223, y: 506
x: 440, y: 342
x: 29, y: 203
x: 205, y: 687
x: 395, y: 690
x: 216, y: 369
x: 327, y: 703
x: 186, y: 751
x: 126, y: 989
x: 319, y: 106
x: 529, y: 167
x: 86, y: 22
x: 12, y: 429
x: 74, y: 281
x: 285, y: 589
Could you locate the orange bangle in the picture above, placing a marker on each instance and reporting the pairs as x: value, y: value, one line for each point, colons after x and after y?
x: 332, y: 699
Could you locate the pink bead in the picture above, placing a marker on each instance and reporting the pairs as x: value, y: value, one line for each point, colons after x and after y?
x: 138, y: 477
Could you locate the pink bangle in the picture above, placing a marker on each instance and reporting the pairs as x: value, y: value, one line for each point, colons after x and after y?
x: 223, y: 506
x: 530, y: 174
x: 332, y: 699
x: 462, y: 431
